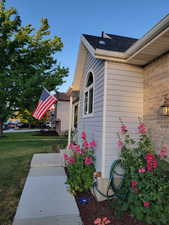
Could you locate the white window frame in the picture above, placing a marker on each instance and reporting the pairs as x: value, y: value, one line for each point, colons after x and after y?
x: 87, y: 90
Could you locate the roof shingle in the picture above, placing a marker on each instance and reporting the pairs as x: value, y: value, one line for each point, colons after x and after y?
x: 110, y: 43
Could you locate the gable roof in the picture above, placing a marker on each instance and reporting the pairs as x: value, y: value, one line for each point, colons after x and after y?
x: 123, y: 49
x: 110, y: 42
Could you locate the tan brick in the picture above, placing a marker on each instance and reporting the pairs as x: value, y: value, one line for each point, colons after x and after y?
x: 156, y: 85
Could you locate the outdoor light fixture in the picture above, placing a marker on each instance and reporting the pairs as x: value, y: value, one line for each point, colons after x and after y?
x: 165, y: 107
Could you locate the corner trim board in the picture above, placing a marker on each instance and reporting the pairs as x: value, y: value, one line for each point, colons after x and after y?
x: 103, y: 163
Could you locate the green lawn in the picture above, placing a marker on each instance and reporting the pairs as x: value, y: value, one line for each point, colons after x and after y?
x: 16, y: 151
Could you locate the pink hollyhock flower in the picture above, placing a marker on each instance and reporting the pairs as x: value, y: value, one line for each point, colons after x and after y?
x: 142, y: 170
x: 134, y: 184
x: 86, y: 144
x: 164, y: 152
x: 151, y: 162
x: 154, y: 164
x: 70, y: 146
x: 146, y: 204
x: 149, y: 157
x: 92, y: 144
x: 123, y: 129
x: 77, y: 148
x: 103, y: 221
x: 71, y: 160
x: 151, y: 165
x: 149, y: 168
x: 142, y: 129
x: 88, y: 160
x: 120, y: 144
x: 106, y: 220
x: 83, y: 135
x: 97, y: 221
x: 66, y: 157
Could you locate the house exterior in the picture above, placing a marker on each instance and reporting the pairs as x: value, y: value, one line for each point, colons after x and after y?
x: 61, y: 117
x: 122, y: 77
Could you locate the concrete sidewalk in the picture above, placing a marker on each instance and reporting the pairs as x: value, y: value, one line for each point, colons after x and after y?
x: 45, y: 199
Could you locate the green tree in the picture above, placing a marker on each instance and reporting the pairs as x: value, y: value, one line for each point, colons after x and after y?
x: 26, y: 117
x: 27, y: 63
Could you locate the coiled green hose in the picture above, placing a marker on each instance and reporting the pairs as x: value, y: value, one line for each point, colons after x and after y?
x: 111, y: 185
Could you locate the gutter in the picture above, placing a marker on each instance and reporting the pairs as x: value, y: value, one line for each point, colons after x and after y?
x: 121, y: 55
x: 150, y: 35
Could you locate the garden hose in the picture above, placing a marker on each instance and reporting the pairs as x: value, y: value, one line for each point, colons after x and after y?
x: 111, y: 185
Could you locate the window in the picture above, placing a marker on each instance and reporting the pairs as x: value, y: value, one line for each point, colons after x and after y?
x: 88, y: 95
x: 75, y: 115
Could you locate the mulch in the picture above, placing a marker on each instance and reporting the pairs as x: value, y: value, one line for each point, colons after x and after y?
x: 93, y: 209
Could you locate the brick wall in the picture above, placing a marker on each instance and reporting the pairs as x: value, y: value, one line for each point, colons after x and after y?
x: 156, y: 85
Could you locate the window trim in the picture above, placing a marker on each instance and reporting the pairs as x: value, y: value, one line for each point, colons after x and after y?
x: 87, y: 89
x: 74, y: 105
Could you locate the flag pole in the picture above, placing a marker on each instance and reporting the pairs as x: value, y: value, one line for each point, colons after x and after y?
x: 70, y: 122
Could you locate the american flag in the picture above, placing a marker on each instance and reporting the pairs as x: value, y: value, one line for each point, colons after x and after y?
x: 45, y: 102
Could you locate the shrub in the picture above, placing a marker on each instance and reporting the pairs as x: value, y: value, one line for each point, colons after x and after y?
x: 146, y: 178
x: 80, y: 165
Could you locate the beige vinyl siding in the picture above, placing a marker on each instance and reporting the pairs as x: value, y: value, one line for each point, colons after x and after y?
x: 63, y: 114
x: 124, y: 98
x: 93, y: 124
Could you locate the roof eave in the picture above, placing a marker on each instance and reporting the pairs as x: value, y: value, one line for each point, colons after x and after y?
x: 134, y: 55
x: 158, y: 46
x: 150, y: 35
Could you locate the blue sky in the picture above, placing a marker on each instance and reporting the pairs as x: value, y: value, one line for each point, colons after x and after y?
x: 70, y: 18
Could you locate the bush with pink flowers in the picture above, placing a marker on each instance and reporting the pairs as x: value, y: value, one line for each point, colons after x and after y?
x: 80, y: 165
x: 146, y: 181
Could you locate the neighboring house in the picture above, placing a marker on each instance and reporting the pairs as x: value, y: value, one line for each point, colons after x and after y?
x: 51, y: 118
x: 62, y: 108
x: 121, y: 77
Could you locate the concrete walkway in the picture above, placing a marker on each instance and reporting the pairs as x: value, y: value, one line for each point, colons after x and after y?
x: 45, y: 199
x: 22, y: 130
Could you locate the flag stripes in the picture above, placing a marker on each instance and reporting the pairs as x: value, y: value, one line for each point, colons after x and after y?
x: 45, y: 102
x: 45, y: 107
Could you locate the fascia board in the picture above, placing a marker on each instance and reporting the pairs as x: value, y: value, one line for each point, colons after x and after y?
x: 149, y: 36
x: 88, y: 46
x: 147, y: 44
x: 102, y: 52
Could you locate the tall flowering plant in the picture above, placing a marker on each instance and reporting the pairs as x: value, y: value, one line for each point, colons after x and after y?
x: 80, y: 165
x: 146, y: 177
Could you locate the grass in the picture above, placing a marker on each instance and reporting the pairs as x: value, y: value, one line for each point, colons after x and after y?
x: 16, y: 151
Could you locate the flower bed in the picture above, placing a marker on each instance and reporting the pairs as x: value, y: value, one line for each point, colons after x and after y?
x: 145, y: 191
x: 92, y: 210
x: 146, y: 185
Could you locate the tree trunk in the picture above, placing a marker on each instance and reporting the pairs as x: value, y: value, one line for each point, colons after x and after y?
x: 1, y: 128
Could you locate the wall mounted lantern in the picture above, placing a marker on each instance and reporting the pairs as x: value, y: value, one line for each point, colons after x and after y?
x: 165, y: 107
